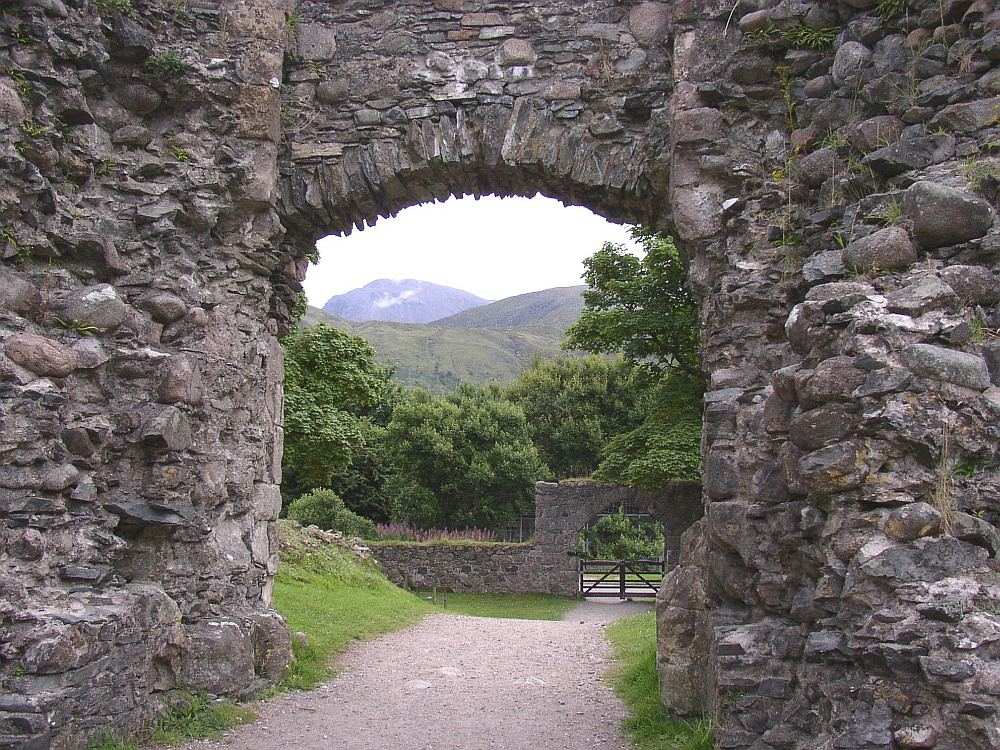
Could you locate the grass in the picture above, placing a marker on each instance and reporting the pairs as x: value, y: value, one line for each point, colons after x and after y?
x: 635, y: 680
x: 511, y: 606
x: 191, y: 717
x: 334, y: 598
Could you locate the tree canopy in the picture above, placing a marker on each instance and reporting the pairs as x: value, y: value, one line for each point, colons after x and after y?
x: 332, y: 386
x: 575, y: 405
x: 639, y: 306
x: 462, y: 460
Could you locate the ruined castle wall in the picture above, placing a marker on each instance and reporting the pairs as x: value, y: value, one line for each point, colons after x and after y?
x: 842, y: 588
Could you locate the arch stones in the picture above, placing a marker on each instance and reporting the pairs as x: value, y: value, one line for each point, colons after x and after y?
x: 167, y: 172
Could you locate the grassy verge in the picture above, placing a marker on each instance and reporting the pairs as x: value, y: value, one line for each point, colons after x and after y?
x: 512, y: 606
x: 334, y: 598
x: 649, y: 727
x: 191, y: 717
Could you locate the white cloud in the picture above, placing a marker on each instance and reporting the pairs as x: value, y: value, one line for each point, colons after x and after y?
x: 492, y: 247
x: 386, y: 301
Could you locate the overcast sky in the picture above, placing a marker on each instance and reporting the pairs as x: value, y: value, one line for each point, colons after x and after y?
x: 492, y: 247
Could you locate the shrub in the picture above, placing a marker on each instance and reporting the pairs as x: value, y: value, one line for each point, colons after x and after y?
x: 617, y: 536
x: 114, y: 6
x: 325, y: 509
x: 166, y: 65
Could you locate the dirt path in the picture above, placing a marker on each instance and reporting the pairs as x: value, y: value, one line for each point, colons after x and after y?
x: 454, y: 683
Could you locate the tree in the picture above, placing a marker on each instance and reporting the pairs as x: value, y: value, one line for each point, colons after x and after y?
x: 462, y: 460
x: 332, y: 386
x: 325, y: 509
x: 639, y: 306
x: 575, y: 405
x: 666, y: 446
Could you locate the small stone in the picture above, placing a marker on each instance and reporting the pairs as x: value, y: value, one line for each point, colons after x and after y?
x: 332, y: 92
x: 316, y: 42
x: 917, y: 738
x: 949, y: 365
x: 12, y: 111
x: 18, y: 294
x: 166, y: 429
x: 974, y: 284
x: 816, y: 168
x: 849, y: 61
x: 888, y: 249
x: 929, y: 293
x: 835, y: 468
x: 43, y: 356
x: 129, y: 42
x: 826, y: 424
x: 181, y: 381
x: 97, y: 307
x: 516, y: 52
x: 166, y: 307
x: 875, y: 132
x: 139, y: 98
x: 649, y: 22
x: 367, y: 117
x: 826, y: 265
x: 28, y: 545
x: 943, y: 216
x: 912, y: 521
x: 833, y: 379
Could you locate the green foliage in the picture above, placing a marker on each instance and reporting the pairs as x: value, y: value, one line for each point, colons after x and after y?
x: 635, y: 680
x: 332, y: 385
x: 574, y: 406
x: 617, y: 536
x: 166, y: 65
x: 667, y: 445
x: 799, y: 35
x: 640, y: 307
x: 461, y: 460
x: 191, y: 716
x: 180, y: 154
x: 890, y: 8
x: 114, y: 6
x: 196, y: 716
x: 325, y: 509
x: 335, y: 598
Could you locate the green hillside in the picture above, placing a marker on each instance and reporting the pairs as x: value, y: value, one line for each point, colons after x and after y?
x: 551, y: 310
x: 439, y: 358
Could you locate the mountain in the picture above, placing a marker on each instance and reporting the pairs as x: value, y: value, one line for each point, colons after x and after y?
x: 406, y: 301
x: 552, y: 310
x: 443, y: 354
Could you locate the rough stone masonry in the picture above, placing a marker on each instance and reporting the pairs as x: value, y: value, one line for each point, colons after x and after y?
x: 830, y: 169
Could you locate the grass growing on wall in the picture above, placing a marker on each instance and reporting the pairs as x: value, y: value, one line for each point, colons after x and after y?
x: 334, y: 598
x: 648, y: 726
x: 512, y: 606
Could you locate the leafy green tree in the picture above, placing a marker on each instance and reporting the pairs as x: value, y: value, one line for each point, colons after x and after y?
x: 462, y: 460
x: 666, y: 446
x: 332, y: 387
x: 325, y: 509
x: 642, y: 307
x: 639, y: 306
x: 616, y: 536
x: 575, y: 405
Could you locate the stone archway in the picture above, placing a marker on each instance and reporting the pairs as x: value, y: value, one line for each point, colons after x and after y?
x: 167, y: 172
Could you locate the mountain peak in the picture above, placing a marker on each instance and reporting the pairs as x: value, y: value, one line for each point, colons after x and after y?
x: 401, y: 301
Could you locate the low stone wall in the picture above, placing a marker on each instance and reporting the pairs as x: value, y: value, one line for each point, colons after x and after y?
x: 547, y: 565
x: 488, y: 568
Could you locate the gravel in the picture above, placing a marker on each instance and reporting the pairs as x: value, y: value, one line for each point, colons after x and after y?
x: 454, y: 682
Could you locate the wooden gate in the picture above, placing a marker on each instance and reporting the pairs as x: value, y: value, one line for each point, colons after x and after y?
x: 624, y: 579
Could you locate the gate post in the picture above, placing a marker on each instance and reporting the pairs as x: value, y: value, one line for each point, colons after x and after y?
x: 621, y: 580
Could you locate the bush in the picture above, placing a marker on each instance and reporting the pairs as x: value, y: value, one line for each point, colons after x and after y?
x: 325, y: 509
x: 617, y: 536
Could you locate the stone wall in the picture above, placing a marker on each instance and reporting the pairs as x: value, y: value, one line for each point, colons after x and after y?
x: 829, y: 168
x: 546, y: 565
x: 473, y: 568
x: 842, y: 590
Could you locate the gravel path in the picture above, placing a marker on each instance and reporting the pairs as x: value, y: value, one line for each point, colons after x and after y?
x: 453, y: 683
